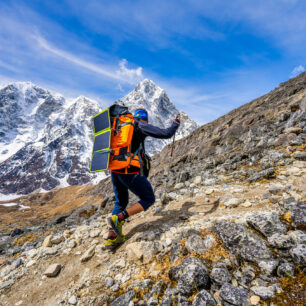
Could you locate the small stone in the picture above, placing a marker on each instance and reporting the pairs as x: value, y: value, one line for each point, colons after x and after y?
x: 116, y: 287
x: 299, y: 237
x: 220, y: 275
x: 47, y: 242
x: 17, y: 263
x: 120, y: 263
x: 73, y: 300
x: 53, y: 270
x: 203, y: 298
x: 71, y: 243
x: 6, y: 284
x: 233, y: 202
x: 299, y: 254
x: 286, y: 270
x: 94, y: 233
x: 88, y: 254
x: 233, y: 294
x: 300, y: 156
x: 168, y: 241
x: 197, y: 180
x: 109, y: 282
x: 254, y: 300
x: 209, y: 191
x: 246, y: 204
x: 264, y: 292
x: 295, y: 130
x: 31, y: 253
x: 57, y: 239
x: 179, y: 186
x: 30, y: 263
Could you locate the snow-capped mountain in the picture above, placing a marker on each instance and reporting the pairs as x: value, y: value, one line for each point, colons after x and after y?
x: 161, y: 112
x: 46, y: 140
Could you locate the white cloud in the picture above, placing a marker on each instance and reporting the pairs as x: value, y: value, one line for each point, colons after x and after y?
x: 130, y: 75
x: 297, y: 70
x: 123, y: 74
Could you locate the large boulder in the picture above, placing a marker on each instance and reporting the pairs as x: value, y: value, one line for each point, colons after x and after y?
x: 245, y: 244
x: 267, y: 224
x: 191, y: 275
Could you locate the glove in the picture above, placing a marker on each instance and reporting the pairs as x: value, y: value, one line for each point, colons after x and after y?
x: 177, y: 119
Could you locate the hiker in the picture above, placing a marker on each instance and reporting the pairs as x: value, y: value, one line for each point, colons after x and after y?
x: 131, y: 179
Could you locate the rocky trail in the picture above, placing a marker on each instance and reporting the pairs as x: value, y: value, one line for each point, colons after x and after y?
x: 232, y: 231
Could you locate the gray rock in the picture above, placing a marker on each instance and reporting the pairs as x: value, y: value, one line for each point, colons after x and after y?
x: 242, y: 242
x: 6, y: 284
x: 142, y: 285
x: 173, y: 296
x: 198, y: 245
x: 299, y: 214
x: 109, y: 282
x: 234, y: 295
x: 264, y: 292
x: 299, y: 254
x: 156, y: 291
x: 267, y: 224
x: 124, y: 299
x: 17, y: 263
x: 281, y: 241
x: 88, y: 254
x: 265, y: 174
x: 177, y: 251
x: 299, y: 237
x: 300, y: 156
x: 191, y: 275
x: 286, y: 270
x: 53, y: 270
x: 220, y: 275
x: 73, y: 300
x: 244, y: 275
x: 203, y: 298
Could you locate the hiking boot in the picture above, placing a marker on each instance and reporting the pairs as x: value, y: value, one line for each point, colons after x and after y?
x: 114, y: 242
x: 116, y: 225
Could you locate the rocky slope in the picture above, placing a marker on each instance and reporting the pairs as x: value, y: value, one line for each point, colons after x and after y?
x: 46, y: 141
x: 232, y: 233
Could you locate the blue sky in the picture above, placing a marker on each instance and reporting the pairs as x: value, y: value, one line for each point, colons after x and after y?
x: 210, y: 56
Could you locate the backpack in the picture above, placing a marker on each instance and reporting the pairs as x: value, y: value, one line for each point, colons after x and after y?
x: 114, y: 130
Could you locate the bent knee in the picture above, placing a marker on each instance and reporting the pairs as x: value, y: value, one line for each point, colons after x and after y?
x: 147, y: 202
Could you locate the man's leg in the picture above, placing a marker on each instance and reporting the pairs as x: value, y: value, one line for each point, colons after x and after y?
x: 115, y: 235
x: 141, y: 187
x: 121, y: 194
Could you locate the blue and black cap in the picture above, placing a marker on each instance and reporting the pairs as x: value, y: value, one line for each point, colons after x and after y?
x: 141, y: 114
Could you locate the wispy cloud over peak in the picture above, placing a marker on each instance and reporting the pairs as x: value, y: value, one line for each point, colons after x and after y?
x: 124, y: 74
x: 130, y: 75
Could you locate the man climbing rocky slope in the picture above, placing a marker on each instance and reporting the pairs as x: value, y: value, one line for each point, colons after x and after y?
x: 232, y: 233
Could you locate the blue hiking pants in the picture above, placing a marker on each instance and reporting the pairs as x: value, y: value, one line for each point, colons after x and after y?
x: 136, y: 183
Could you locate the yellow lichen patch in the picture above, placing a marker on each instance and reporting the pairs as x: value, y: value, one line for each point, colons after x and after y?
x: 293, y: 291
x: 30, y: 237
x: 287, y: 217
